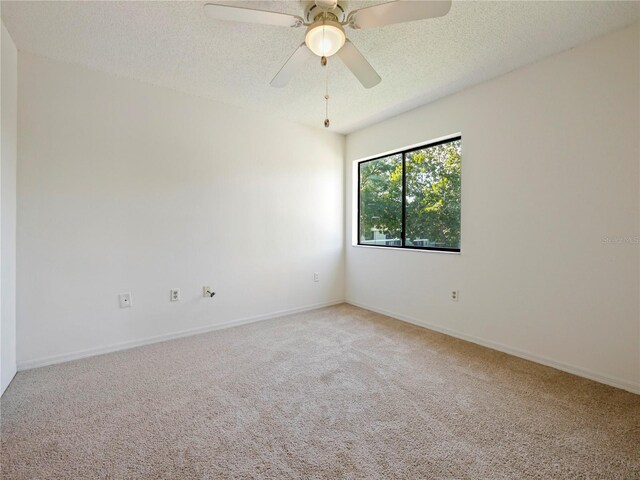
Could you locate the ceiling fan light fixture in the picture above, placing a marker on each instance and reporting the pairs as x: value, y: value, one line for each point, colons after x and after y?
x: 325, y: 38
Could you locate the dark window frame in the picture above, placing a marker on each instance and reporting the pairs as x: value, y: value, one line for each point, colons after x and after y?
x: 404, y: 202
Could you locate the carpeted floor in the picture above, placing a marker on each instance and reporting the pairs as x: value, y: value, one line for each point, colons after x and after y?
x: 339, y: 392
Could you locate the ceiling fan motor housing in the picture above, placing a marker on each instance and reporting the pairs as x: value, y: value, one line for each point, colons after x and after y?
x: 316, y: 9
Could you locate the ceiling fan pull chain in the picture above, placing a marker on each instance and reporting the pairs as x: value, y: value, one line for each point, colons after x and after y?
x: 324, y: 62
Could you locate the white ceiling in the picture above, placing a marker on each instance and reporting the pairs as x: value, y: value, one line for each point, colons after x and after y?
x: 173, y: 44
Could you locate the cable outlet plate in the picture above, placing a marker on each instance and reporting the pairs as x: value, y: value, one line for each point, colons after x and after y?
x: 125, y: 300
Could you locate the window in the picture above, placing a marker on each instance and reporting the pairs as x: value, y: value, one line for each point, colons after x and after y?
x: 411, y: 199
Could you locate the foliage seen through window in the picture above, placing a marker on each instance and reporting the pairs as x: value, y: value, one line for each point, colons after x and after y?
x: 412, y: 199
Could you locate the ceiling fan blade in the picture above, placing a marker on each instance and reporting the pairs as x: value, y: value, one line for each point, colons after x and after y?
x: 295, y: 61
x: 358, y: 65
x: 249, y: 15
x: 398, y: 12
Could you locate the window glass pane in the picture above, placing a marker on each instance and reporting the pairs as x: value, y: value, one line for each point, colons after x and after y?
x: 433, y: 196
x: 381, y: 201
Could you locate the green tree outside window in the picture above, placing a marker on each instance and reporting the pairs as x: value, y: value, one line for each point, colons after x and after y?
x: 431, y: 197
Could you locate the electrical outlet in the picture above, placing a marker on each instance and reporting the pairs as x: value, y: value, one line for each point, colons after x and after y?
x: 316, y: 277
x: 175, y: 295
x: 455, y: 295
x: 125, y: 300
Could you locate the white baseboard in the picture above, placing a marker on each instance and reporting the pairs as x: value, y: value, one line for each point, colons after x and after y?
x: 67, y: 357
x: 581, y: 372
x: 4, y: 386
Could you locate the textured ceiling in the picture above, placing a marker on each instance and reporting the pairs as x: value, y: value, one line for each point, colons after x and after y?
x: 173, y: 44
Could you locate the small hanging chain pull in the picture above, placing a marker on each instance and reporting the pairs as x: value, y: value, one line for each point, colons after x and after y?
x: 324, y: 63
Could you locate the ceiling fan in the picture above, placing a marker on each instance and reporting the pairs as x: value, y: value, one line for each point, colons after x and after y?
x: 325, y: 21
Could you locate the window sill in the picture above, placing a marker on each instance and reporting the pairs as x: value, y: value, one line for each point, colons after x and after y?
x: 400, y: 249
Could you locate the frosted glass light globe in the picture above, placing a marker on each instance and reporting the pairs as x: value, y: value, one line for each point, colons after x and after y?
x: 325, y: 38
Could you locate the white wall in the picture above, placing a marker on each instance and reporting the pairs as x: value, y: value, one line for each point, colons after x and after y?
x: 550, y: 167
x: 124, y: 186
x: 8, y: 153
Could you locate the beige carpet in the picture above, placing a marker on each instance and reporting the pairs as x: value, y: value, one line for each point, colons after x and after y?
x: 334, y: 393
